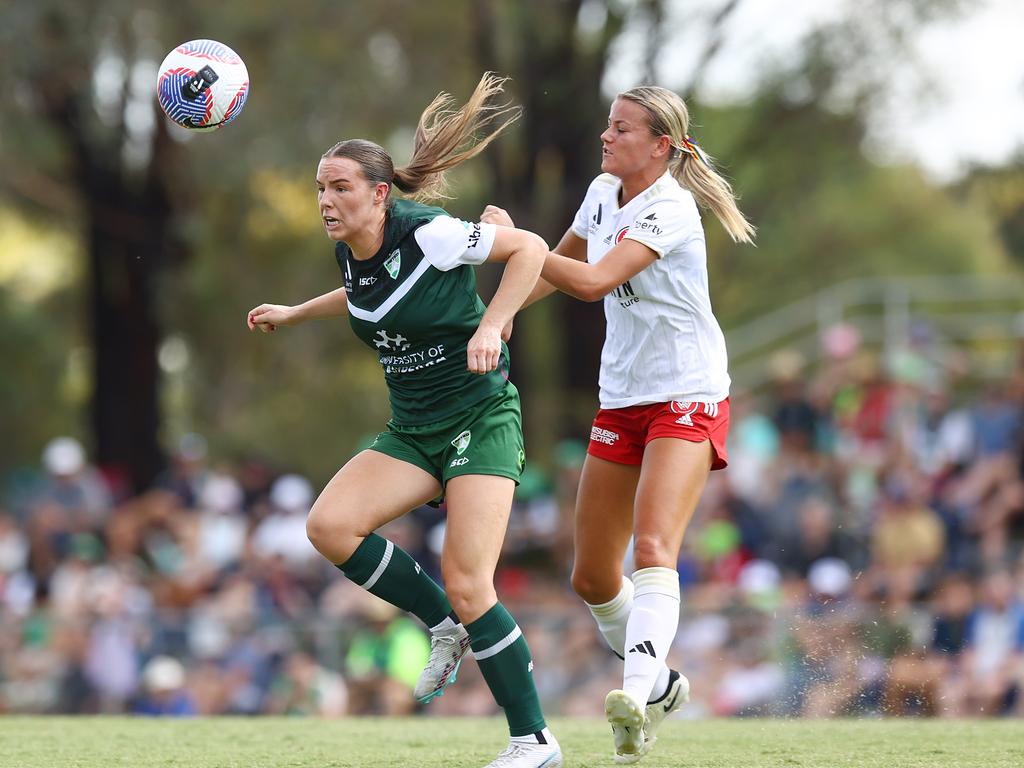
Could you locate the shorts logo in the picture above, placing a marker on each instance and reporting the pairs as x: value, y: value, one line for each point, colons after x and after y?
x: 459, y: 462
x: 605, y: 436
x: 685, y: 409
x: 393, y: 263
x: 461, y: 442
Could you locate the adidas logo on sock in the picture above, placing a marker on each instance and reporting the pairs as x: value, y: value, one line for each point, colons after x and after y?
x: 644, y: 647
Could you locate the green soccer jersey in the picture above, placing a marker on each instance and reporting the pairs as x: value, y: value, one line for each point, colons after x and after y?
x: 415, y: 304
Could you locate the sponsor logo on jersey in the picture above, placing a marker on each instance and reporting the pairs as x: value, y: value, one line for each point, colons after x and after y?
x: 367, y: 280
x: 605, y: 436
x: 393, y: 263
x: 461, y: 442
x: 459, y: 462
x: 474, y: 235
x: 646, y: 224
x: 625, y: 294
x: 385, y: 341
x: 521, y: 458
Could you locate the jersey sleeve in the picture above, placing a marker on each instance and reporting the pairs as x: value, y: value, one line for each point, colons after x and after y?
x: 580, y: 223
x: 447, y: 242
x: 664, y: 225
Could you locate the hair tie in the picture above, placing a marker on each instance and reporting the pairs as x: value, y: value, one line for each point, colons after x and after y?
x: 691, y: 147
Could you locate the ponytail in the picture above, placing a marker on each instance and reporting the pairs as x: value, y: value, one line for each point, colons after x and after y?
x: 691, y: 166
x: 446, y: 137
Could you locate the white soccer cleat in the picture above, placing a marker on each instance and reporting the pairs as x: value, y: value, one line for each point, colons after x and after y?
x: 520, y: 755
x: 678, y: 693
x: 626, y: 717
x: 446, y: 652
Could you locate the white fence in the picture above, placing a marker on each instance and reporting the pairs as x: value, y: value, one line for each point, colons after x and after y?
x: 962, y: 308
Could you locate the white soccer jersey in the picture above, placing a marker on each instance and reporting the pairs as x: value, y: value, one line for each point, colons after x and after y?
x: 663, y: 343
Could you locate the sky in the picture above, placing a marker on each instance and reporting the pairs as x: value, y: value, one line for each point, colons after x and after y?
x: 960, y: 101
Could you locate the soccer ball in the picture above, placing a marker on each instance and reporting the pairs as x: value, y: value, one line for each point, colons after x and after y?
x: 202, y: 85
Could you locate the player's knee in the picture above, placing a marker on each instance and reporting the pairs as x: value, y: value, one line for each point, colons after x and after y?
x: 595, y: 588
x: 328, y: 532
x: 318, y: 529
x: 469, y: 594
x: 651, y: 551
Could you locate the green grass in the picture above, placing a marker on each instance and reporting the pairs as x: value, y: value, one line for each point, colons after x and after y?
x: 108, y: 742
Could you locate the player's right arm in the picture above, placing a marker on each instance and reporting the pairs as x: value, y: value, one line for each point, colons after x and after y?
x: 571, y: 245
x: 267, y: 317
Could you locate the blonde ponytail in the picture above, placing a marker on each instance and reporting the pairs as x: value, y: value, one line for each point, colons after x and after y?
x: 691, y: 166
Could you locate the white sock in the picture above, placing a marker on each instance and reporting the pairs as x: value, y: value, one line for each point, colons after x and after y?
x: 445, y: 627
x: 536, y: 738
x: 612, y: 616
x: 661, y: 684
x: 651, y: 629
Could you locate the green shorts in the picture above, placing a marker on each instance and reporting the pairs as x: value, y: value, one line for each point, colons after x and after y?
x: 485, y: 439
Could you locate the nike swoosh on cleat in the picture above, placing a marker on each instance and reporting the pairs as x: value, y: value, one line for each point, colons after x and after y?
x: 671, y: 703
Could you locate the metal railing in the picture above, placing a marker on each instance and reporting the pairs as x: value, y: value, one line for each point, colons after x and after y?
x: 958, y: 308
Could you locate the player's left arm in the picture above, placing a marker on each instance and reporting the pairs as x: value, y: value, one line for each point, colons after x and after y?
x: 591, y: 282
x: 655, y: 231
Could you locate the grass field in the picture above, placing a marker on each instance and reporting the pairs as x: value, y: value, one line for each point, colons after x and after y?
x: 52, y: 742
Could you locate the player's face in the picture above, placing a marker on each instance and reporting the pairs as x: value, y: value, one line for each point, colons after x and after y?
x: 347, y: 200
x: 627, y: 144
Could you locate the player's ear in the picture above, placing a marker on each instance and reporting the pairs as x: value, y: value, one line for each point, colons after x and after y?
x: 663, y: 146
x: 380, y: 192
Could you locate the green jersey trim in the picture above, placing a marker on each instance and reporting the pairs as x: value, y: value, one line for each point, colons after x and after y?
x: 376, y: 315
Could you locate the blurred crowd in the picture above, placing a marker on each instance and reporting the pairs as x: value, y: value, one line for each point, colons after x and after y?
x: 863, y: 554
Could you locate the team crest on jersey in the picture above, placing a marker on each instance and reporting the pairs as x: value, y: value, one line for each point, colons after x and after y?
x: 461, y: 442
x: 393, y: 263
x: 621, y: 234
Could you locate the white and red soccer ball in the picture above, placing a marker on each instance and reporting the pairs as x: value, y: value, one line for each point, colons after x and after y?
x: 202, y: 85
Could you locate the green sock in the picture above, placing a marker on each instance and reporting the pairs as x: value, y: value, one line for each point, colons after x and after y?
x: 504, y: 659
x: 388, y: 572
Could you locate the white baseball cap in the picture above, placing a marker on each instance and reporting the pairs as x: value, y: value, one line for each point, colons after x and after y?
x: 63, y: 456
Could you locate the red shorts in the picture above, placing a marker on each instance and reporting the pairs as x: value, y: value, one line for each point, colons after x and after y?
x: 620, y: 434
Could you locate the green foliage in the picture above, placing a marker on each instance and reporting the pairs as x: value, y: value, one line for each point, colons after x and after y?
x: 825, y: 212
x: 244, y: 226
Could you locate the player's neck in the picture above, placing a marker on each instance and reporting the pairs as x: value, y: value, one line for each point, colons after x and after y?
x: 636, y: 183
x: 367, y: 242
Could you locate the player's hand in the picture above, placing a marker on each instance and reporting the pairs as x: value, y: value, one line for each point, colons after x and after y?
x: 506, y: 332
x: 484, y: 349
x: 494, y: 215
x: 266, y: 317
